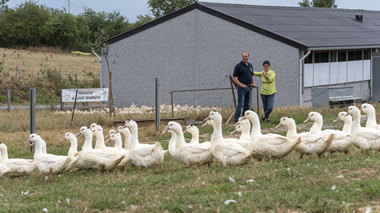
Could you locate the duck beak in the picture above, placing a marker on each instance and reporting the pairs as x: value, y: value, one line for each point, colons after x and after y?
x: 337, y: 119
x: 205, y: 121
x: 108, y: 139
x: 307, y: 119
x: 347, y: 114
x: 237, y: 123
x: 233, y: 132
x: 185, y: 131
x: 278, y: 125
x: 165, y: 130
x: 62, y: 139
x: 78, y: 134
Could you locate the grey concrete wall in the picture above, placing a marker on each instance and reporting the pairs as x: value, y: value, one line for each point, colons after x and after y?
x: 195, y: 51
x: 361, y: 89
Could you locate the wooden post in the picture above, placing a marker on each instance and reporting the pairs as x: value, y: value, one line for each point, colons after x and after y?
x: 157, y: 105
x: 9, y: 100
x: 75, y: 103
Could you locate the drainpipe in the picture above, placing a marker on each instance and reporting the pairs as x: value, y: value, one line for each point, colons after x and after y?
x: 300, y: 76
x: 100, y: 66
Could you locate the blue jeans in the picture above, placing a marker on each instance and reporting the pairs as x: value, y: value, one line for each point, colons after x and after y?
x: 268, y: 103
x: 244, y: 99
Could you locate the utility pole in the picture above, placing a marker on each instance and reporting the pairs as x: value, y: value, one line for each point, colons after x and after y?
x: 68, y: 6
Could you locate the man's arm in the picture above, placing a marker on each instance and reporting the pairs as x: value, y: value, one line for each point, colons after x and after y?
x: 237, y: 82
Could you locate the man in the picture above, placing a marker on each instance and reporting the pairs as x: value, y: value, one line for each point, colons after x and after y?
x: 244, y: 80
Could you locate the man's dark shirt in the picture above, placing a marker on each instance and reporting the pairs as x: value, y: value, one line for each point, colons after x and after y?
x: 244, y: 73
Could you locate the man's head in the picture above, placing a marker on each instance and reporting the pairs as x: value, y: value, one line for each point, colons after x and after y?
x: 245, y: 56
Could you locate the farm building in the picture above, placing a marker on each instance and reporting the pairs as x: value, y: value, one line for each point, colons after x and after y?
x: 198, y: 46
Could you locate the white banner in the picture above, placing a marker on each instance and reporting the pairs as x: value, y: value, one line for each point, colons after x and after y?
x: 85, y: 95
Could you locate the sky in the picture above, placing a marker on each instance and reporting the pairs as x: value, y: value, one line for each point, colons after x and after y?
x: 132, y: 8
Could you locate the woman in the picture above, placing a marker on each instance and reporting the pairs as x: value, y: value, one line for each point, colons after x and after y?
x: 268, y: 89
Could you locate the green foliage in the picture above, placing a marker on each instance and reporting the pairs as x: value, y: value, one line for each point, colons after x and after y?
x: 318, y: 3
x: 3, y: 6
x: 62, y: 31
x: 164, y: 7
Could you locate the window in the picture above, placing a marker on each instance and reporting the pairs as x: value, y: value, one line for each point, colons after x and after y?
x: 342, y: 55
x: 334, y: 56
x: 309, y: 59
x: 355, y: 55
x: 367, y: 54
x: 321, y: 57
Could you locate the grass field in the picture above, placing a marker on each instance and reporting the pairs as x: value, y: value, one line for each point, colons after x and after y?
x: 334, y: 182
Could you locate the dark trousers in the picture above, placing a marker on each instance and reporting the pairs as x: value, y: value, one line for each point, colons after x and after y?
x: 244, y: 100
x: 268, y: 103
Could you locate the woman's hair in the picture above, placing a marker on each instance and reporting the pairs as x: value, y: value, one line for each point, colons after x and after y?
x: 266, y: 62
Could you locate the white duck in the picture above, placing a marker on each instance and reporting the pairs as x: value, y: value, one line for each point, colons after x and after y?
x: 310, y: 144
x: 100, y: 144
x: 342, y: 140
x: 48, y: 163
x: 18, y: 167
x: 268, y: 146
x: 97, y: 126
x: 96, y: 158
x: 187, y: 153
x: 347, y: 119
x: 194, y: 131
x: 371, y: 112
x: 127, y: 136
x: 143, y: 154
x: 243, y: 126
x: 364, y: 138
x: 4, y: 171
x: 116, y: 138
x: 225, y: 151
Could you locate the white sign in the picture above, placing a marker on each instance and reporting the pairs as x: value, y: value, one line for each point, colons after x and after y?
x: 85, y: 95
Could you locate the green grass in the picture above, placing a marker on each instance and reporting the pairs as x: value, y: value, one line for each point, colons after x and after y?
x: 287, y: 184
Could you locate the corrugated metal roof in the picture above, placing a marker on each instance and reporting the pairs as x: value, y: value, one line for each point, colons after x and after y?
x: 297, y: 26
x: 312, y: 27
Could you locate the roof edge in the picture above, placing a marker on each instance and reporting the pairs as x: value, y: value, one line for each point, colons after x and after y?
x: 151, y: 24
x: 204, y: 8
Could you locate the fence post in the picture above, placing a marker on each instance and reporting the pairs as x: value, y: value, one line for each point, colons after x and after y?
x: 75, y: 103
x: 32, y: 109
x: 157, y: 105
x: 9, y: 100
x: 15, y: 81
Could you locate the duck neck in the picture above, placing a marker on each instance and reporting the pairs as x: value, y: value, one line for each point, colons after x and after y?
x: 134, y: 138
x: 172, y: 142
x: 180, y: 141
x: 87, y: 145
x: 347, y: 125
x: 118, y: 143
x: 99, y: 144
x: 256, y: 127
x: 4, y: 155
x: 73, y: 147
x: 245, y: 131
x: 194, y: 136
x: 127, y: 138
x: 371, y: 120
x: 292, y: 130
x: 217, y: 133
x: 355, y: 123
x: 38, y: 147
x: 316, y: 127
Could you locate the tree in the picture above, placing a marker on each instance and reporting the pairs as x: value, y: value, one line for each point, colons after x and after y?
x: 3, y: 5
x: 164, y: 7
x: 318, y: 3
x: 62, y: 31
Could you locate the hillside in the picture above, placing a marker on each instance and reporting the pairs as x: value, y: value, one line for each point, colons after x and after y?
x: 45, y: 68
